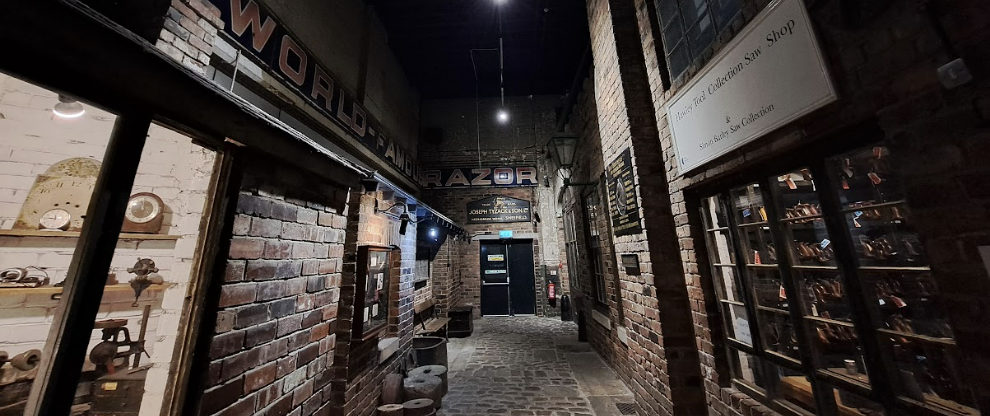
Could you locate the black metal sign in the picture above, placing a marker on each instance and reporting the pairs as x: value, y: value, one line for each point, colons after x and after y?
x: 623, y: 204
x: 498, y: 209
x: 477, y: 177
x: 267, y: 40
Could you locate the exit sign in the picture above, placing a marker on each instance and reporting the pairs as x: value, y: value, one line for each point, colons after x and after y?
x: 505, y: 234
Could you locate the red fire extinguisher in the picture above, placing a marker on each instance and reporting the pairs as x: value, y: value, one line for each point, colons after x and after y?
x: 551, y: 294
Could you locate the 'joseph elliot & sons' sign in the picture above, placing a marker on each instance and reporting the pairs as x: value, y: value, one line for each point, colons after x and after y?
x: 498, y: 209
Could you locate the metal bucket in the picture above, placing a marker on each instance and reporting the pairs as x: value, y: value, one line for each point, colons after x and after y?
x: 430, y: 351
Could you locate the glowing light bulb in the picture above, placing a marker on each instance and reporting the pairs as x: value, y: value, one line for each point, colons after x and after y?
x: 503, y: 116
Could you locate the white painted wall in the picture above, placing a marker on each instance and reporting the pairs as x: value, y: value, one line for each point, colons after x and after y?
x: 172, y: 167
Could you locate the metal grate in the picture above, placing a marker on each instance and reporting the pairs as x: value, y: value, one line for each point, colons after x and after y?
x: 626, y: 408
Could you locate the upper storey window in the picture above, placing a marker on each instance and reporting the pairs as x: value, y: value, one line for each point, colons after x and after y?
x: 690, y: 26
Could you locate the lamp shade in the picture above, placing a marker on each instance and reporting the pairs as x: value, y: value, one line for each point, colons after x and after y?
x: 562, y: 150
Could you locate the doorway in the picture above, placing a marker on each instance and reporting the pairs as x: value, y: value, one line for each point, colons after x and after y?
x: 507, y: 278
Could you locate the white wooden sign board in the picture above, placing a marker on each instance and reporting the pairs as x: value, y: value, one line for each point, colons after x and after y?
x: 771, y: 74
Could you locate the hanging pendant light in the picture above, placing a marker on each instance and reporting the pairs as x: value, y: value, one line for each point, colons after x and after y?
x: 68, y: 108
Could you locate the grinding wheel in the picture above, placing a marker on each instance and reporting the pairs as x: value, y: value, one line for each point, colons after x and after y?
x: 423, y: 387
x: 392, y: 391
x: 432, y: 370
x: 26, y: 360
x: 418, y: 407
x: 390, y: 410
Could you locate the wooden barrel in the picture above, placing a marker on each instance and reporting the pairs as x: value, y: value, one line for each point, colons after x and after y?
x: 391, y: 410
x: 418, y: 407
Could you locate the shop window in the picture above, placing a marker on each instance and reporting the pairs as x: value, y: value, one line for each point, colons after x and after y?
x: 786, y: 254
x: 52, y: 154
x: 592, y: 213
x: 688, y: 27
x: 571, y: 250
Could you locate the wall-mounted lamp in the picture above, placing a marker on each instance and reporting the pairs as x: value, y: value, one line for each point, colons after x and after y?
x: 502, y: 116
x: 403, y: 218
x: 68, y: 108
x: 403, y: 223
x: 562, y: 150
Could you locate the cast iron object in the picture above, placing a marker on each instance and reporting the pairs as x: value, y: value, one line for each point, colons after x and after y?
x: 146, y: 274
x: 104, y: 353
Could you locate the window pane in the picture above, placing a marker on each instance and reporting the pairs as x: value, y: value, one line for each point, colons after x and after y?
x: 748, y: 369
x: 793, y: 391
x: 692, y: 10
x: 672, y: 35
x: 723, y: 11
x: 50, y: 157
x: 855, y: 405
x: 679, y: 59
x: 737, y: 323
x: 137, y: 328
x: 700, y: 35
x: 667, y: 11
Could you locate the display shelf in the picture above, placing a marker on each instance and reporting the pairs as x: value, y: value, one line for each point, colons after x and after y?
x: 724, y: 265
x: 828, y: 321
x: 841, y: 376
x: 871, y: 206
x: 762, y: 266
x: 802, y: 218
x: 939, y: 405
x: 800, y: 267
x: 772, y: 310
x: 53, y: 290
x: 916, y: 337
x: 75, y: 234
x: 894, y: 269
x: 753, y: 224
x: 717, y: 229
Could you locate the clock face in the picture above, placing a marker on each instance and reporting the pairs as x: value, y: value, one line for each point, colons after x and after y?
x: 56, y: 219
x: 142, y: 209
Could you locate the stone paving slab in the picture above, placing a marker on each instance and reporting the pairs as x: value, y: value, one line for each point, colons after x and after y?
x: 518, y: 366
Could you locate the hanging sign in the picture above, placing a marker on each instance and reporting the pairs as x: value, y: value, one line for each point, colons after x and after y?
x: 623, y: 203
x: 769, y: 75
x: 267, y: 40
x: 481, y: 177
x: 498, y: 209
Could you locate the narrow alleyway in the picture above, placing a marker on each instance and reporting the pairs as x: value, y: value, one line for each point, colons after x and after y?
x: 529, y: 366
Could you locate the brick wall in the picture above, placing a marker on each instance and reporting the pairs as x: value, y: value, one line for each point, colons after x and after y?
x: 358, y: 373
x: 884, y: 67
x: 275, y: 330
x: 453, y: 203
x: 190, y: 31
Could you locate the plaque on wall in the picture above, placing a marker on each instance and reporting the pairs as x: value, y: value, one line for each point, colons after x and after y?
x: 623, y: 203
x: 498, y: 209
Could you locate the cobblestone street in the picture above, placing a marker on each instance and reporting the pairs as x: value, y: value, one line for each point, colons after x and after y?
x: 529, y: 366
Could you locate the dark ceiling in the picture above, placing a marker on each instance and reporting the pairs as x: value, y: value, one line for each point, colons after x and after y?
x: 543, y: 40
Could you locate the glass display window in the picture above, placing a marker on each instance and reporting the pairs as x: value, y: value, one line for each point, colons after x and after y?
x: 373, y: 291
x: 827, y: 300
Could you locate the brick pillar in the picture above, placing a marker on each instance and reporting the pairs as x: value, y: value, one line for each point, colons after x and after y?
x: 661, y: 323
x: 190, y: 29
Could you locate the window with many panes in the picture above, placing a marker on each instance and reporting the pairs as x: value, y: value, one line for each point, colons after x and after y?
x: 827, y: 299
x: 571, y: 250
x: 593, y: 215
x: 688, y: 27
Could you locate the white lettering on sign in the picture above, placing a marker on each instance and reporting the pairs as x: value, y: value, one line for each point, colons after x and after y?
x: 771, y: 74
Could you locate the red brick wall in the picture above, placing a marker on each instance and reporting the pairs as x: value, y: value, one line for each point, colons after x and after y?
x: 278, y: 307
x: 884, y: 68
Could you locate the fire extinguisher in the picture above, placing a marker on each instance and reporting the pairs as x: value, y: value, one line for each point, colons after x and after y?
x: 551, y: 295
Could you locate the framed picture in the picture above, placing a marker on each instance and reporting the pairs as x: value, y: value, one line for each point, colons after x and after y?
x: 372, y: 295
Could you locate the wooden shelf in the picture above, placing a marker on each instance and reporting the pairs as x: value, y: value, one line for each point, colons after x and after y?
x: 797, y: 267
x: 75, y: 234
x: 718, y: 229
x: 753, y: 224
x: 52, y: 290
x: 762, y: 266
x: 828, y: 321
x: 916, y: 337
x: 796, y: 219
x: 880, y: 205
x: 894, y: 269
x: 772, y: 310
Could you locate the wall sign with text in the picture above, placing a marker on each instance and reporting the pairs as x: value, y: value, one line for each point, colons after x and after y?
x: 476, y: 177
x: 623, y: 203
x: 498, y: 209
x: 269, y: 41
x: 769, y: 75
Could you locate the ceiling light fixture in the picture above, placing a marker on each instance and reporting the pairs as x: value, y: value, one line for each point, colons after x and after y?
x: 68, y: 108
x: 503, y: 116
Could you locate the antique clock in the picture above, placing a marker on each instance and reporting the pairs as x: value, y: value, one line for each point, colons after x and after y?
x: 144, y: 214
x: 55, y: 220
